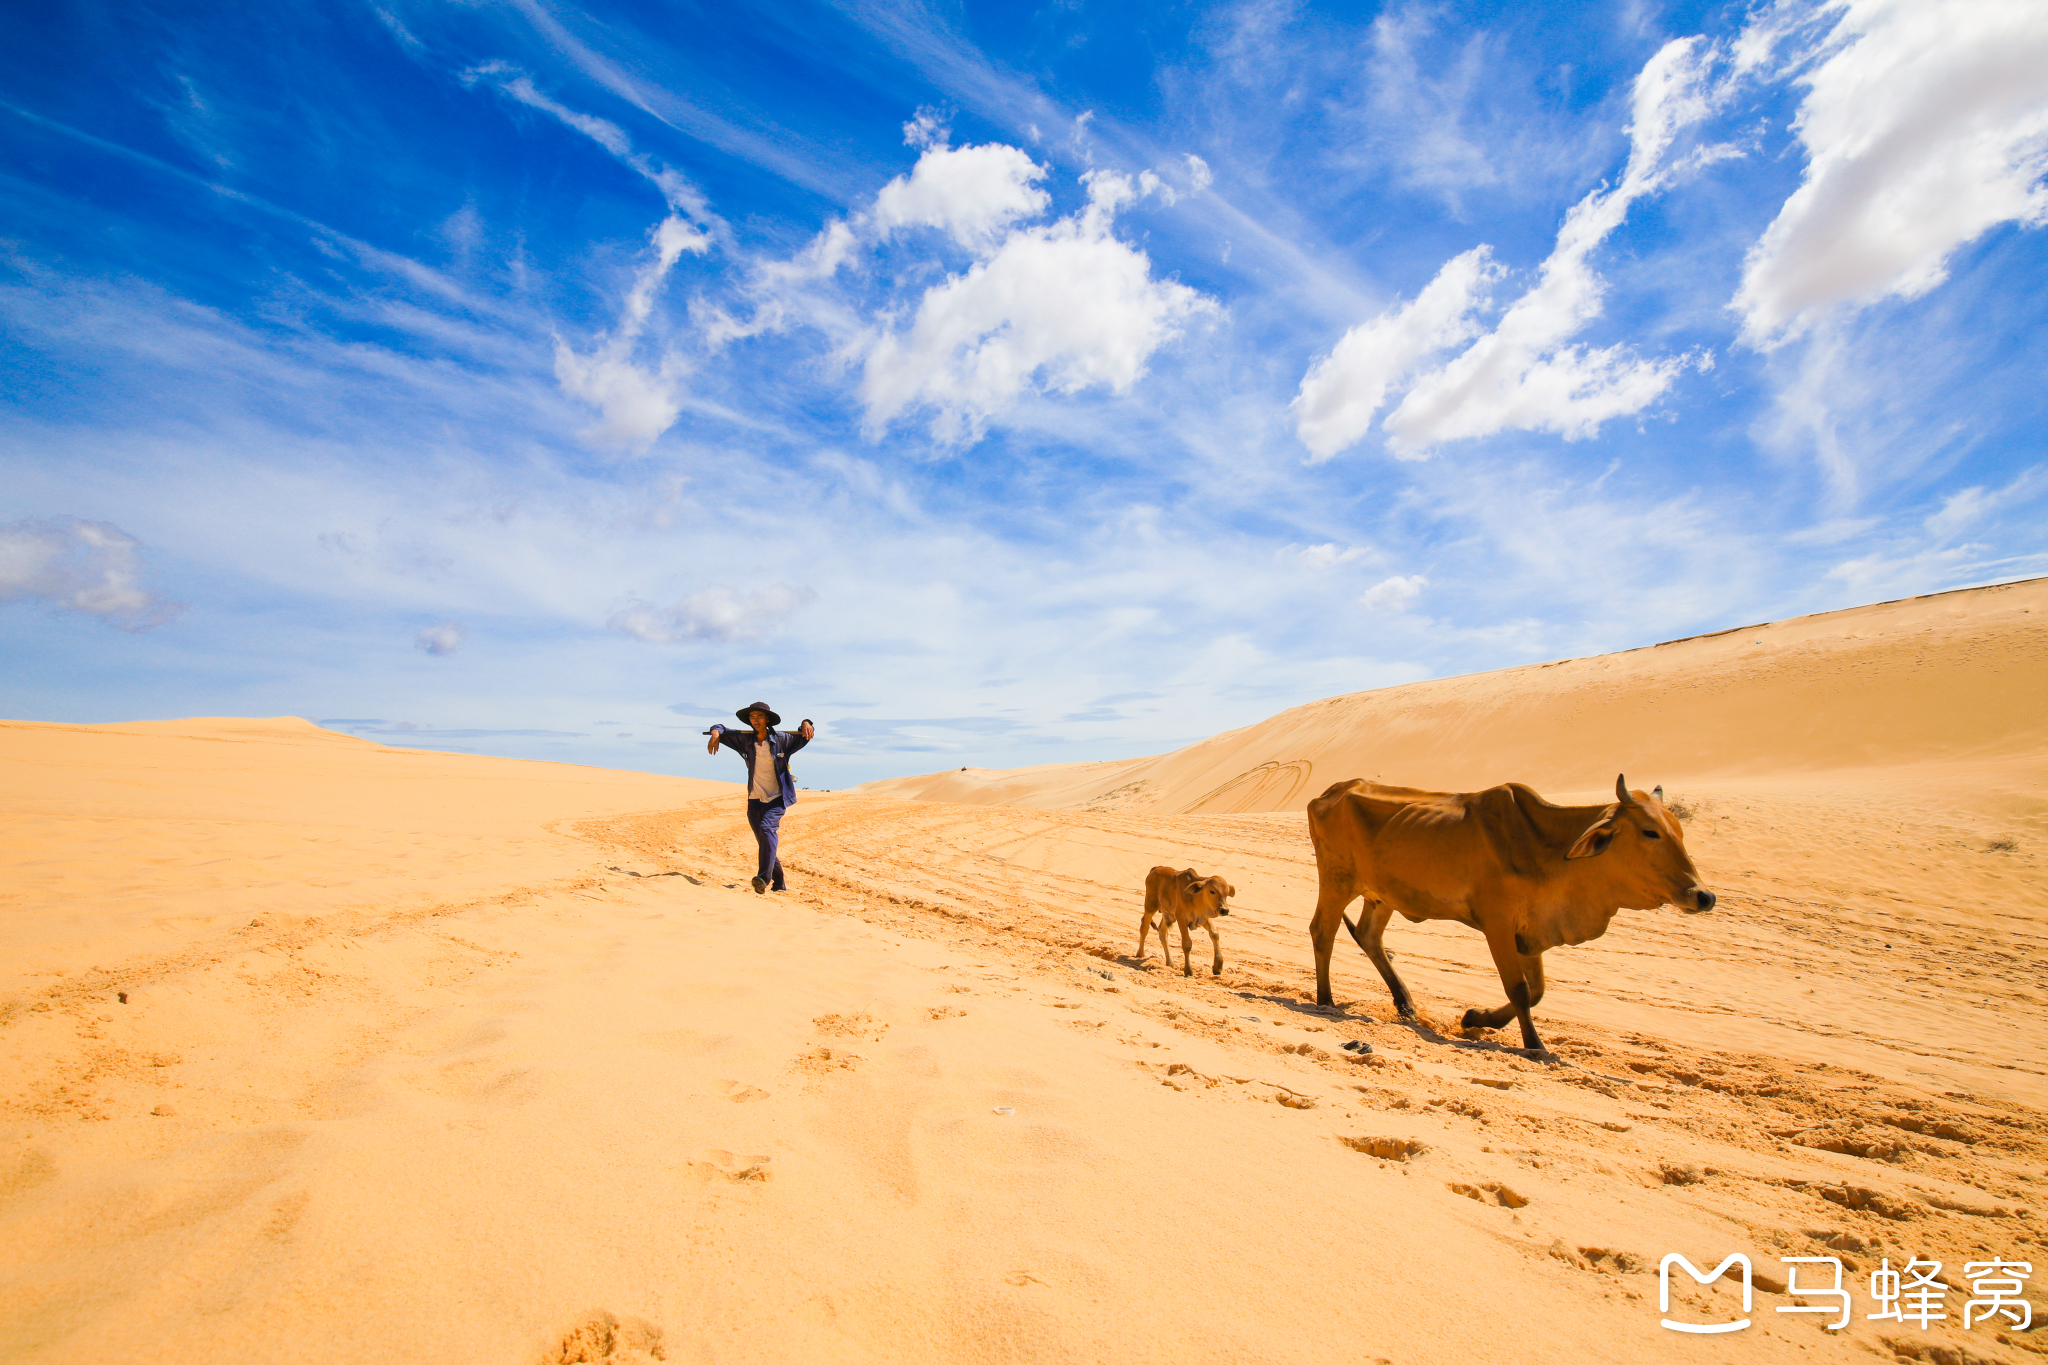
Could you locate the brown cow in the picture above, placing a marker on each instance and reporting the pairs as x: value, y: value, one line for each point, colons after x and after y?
x: 1186, y: 899
x: 1527, y: 874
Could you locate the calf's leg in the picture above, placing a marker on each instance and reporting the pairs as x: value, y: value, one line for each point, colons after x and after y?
x: 1216, y: 967
x: 1187, y: 951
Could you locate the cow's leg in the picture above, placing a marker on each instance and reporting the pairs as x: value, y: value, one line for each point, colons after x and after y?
x: 1333, y: 894
x: 1509, y: 961
x: 1216, y: 967
x: 1144, y: 931
x: 1187, y: 951
x: 1370, y: 932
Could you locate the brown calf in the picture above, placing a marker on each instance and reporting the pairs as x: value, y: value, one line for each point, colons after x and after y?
x: 1186, y: 899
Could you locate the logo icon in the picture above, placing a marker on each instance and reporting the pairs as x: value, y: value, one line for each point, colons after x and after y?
x: 1704, y: 1277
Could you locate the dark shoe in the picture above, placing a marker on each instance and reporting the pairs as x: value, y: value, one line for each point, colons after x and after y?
x: 760, y: 885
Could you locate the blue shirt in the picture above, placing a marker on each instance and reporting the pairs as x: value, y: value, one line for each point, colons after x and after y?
x: 781, y: 743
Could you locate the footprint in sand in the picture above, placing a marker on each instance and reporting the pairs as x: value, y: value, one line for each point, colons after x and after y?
x: 945, y: 1012
x: 850, y: 1026
x: 823, y: 1061
x: 1490, y: 1192
x: 739, y: 1092
x: 1385, y: 1148
x: 602, y: 1338
x: 717, y: 1164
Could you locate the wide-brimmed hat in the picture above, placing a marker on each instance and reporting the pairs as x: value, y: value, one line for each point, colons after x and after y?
x: 773, y: 719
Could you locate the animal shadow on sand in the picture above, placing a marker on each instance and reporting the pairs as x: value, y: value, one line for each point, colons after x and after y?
x: 1423, y: 1030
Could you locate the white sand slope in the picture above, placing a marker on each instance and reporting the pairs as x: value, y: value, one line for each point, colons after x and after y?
x: 431, y: 1058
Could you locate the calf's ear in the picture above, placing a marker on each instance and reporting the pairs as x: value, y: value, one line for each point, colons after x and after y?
x: 1658, y: 791
x: 1593, y: 842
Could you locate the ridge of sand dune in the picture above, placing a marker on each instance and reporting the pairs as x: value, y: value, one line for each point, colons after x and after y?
x: 1954, y: 675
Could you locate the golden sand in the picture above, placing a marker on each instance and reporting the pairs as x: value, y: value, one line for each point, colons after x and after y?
x: 437, y: 1058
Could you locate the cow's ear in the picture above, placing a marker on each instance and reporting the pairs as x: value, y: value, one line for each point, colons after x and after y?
x: 1658, y: 791
x: 1593, y: 842
x: 1229, y: 890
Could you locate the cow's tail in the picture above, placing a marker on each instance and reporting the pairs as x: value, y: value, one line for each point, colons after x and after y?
x: 1357, y: 934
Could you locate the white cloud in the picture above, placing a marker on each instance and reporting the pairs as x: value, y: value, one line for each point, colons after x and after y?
x: 1884, y: 572
x: 1970, y: 506
x: 1393, y: 594
x: 1066, y: 304
x: 716, y: 613
x: 445, y: 638
x: 1343, y: 390
x: 83, y: 566
x: 1523, y: 374
x: 971, y: 192
x: 1925, y: 126
x: 928, y: 128
x: 1329, y: 556
x: 637, y: 401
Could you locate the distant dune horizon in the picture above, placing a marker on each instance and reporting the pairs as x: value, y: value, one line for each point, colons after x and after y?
x: 1842, y: 689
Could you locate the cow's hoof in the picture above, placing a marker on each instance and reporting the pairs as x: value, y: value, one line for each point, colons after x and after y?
x: 1473, y: 1019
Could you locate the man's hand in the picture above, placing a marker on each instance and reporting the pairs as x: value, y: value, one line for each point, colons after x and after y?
x: 806, y: 730
x: 717, y: 733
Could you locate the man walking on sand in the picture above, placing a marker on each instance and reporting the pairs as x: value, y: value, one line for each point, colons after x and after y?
x: 769, y: 789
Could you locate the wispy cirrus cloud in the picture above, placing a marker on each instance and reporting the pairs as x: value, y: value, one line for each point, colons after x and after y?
x: 717, y: 613
x: 676, y: 188
x: 637, y: 399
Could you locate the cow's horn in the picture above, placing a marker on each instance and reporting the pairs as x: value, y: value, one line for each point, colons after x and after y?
x: 1621, y: 790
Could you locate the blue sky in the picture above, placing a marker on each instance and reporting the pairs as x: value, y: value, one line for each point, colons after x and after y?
x: 995, y: 384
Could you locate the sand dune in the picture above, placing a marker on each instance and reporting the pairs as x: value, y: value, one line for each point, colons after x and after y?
x: 1954, y: 676
x: 425, y: 1057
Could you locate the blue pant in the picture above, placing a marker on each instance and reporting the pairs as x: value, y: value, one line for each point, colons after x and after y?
x: 766, y: 818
